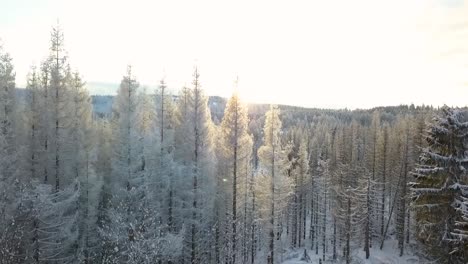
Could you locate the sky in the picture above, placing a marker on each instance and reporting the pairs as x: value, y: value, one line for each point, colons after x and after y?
x: 324, y: 54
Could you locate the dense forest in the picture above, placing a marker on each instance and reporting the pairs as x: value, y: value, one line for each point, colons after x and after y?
x: 167, y: 179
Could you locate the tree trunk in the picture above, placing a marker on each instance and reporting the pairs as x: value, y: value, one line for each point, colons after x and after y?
x: 253, y: 245
x: 193, y: 255
x: 234, y: 189
x: 368, y: 219
x: 294, y: 213
x: 272, y: 213
x: 324, y: 227
x: 384, y: 182
x: 348, y: 232
x: 334, y: 238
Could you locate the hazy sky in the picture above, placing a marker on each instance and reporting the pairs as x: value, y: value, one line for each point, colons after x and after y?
x: 354, y: 54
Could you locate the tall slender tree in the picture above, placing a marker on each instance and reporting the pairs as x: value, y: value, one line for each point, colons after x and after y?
x: 58, y: 71
x: 195, y: 139
x: 273, y: 161
x: 236, y: 146
x: 10, y: 181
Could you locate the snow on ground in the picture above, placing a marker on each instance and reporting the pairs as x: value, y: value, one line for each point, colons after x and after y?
x: 389, y: 255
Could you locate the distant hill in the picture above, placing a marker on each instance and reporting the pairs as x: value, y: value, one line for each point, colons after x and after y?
x: 102, y: 88
x: 102, y: 108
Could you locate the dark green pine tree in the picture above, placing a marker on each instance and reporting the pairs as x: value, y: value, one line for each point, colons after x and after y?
x: 440, y: 192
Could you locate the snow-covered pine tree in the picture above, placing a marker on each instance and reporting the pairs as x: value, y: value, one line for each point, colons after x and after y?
x: 440, y: 191
x: 166, y: 119
x: 102, y: 165
x: 81, y: 143
x: 276, y: 186
x: 236, y: 145
x: 405, y: 130
x: 45, y: 119
x: 247, y: 206
x: 222, y: 208
x: 195, y: 140
x: 33, y: 113
x: 122, y: 229
x: 155, y: 173
x: 9, y: 156
x: 182, y: 131
x: 52, y: 212
x: 353, y: 210
x: 292, y: 214
x: 302, y: 170
x: 54, y: 229
x: 59, y: 72
x: 383, y: 149
x: 372, y: 155
x: 12, y: 235
x: 324, y: 182
x: 80, y: 124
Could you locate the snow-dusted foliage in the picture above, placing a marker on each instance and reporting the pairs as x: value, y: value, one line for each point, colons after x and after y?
x: 440, y: 190
x: 12, y: 233
x: 196, y: 136
x: 192, y: 179
x: 274, y: 187
x: 234, y: 155
x: 132, y: 230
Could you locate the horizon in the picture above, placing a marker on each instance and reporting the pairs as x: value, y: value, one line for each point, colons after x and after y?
x: 290, y: 105
x: 226, y: 98
x: 314, y: 55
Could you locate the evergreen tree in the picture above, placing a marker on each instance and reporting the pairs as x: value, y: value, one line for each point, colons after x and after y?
x: 34, y: 126
x: 439, y: 190
x: 196, y: 153
x: 236, y: 146
x: 11, y: 184
x: 273, y: 162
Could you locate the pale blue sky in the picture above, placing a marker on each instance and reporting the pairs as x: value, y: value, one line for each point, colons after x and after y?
x: 311, y: 53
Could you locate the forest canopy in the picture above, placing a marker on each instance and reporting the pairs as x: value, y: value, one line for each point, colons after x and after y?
x: 188, y: 178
